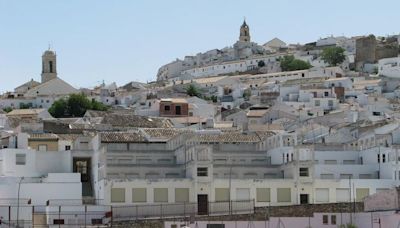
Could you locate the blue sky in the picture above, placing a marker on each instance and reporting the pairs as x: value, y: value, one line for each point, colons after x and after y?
x: 128, y: 40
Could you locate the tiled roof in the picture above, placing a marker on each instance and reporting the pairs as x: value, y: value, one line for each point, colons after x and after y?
x: 136, y: 121
x: 123, y: 137
x: 43, y: 136
x: 257, y: 113
x: 68, y: 137
x: 174, y: 100
x: 25, y: 112
x: 164, y: 133
x: 226, y: 137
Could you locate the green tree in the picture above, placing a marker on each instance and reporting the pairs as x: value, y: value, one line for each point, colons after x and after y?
x: 333, y: 55
x: 192, y: 91
x: 289, y: 63
x: 95, y: 105
x: 75, y: 106
x: 58, y: 108
x: 7, y: 109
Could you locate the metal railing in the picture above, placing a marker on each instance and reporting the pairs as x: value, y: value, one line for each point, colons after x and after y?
x: 75, y: 214
x: 173, y: 210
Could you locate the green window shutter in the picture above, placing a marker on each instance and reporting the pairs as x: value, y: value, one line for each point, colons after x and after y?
x: 181, y: 195
x: 284, y: 195
x: 161, y: 195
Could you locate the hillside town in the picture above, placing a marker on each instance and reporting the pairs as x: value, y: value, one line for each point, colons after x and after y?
x: 247, y: 132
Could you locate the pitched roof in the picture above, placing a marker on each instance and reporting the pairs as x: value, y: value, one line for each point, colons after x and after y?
x: 125, y: 120
x: 68, y: 137
x: 43, y: 136
x: 163, y: 133
x: 174, y: 100
x: 55, y: 86
x: 257, y: 113
x: 230, y: 137
x: 17, y: 112
x: 122, y: 137
x: 32, y: 83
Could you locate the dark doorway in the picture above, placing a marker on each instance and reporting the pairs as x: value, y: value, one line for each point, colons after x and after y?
x: 178, y: 110
x: 82, y: 166
x: 202, y: 204
x: 303, y: 198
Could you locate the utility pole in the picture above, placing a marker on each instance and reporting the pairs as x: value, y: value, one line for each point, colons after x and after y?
x: 19, y: 187
x: 379, y: 161
x: 351, y: 216
x: 230, y: 188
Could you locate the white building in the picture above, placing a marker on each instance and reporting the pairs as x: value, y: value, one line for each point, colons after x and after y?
x: 389, y: 67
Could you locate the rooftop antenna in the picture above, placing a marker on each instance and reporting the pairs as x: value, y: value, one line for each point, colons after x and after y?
x: 49, y: 46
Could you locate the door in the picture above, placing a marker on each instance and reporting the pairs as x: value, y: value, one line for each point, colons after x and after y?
x: 202, y: 204
x: 303, y: 198
x: 82, y: 166
x: 178, y: 110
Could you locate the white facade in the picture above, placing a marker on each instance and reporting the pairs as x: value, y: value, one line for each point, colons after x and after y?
x: 389, y: 67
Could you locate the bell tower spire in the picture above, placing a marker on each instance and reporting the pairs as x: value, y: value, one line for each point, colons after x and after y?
x: 49, y: 65
x: 244, y: 32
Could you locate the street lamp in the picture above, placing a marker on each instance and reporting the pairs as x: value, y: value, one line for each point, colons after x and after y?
x: 19, y: 187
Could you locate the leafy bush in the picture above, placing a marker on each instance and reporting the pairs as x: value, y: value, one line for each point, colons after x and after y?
x: 289, y: 63
x: 75, y: 106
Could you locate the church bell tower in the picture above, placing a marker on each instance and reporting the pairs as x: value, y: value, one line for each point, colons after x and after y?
x: 244, y: 32
x: 49, y: 66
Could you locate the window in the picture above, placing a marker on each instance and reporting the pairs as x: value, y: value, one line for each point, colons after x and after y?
x: 322, y: 195
x: 139, y: 195
x: 221, y: 194
x: 327, y: 176
x: 51, y: 70
x: 346, y: 176
x: 326, y: 94
x: 330, y: 162
x: 349, y: 162
x: 333, y: 219
x: 330, y: 103
x: 284, y: 195
x: 317, y: 102
x: 68, y: 147
x: 167, y: 108
x: 42, y: 147
x: 361, y: 193
x: 342, y: 195
x: 215, y: 225
x: 161, y: 195
x: 118, y: 195
x: 365, y: 176
x: 58, y: 221
x: 263, y: 195
x: 325, y: 219
x: 181, y: 195
x: 303, y: 172
x: 20, y: 159
x: 243, y: 194
x: 383, y: 158
x: 97, y: 221
x: 202, y: 171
